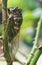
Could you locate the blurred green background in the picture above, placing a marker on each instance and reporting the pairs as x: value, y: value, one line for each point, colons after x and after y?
x: 31, y: 11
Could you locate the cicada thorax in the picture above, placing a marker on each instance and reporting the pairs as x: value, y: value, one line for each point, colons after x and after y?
x: 15, y: 21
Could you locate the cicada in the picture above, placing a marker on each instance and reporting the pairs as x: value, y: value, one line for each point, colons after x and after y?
x: 15, y: 22
x: 13, y: 26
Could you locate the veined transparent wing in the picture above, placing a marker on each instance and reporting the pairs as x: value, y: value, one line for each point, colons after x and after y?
x: 14, y: 46
x: 15, y: 43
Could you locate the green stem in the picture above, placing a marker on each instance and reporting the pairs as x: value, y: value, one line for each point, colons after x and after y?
x: 8, y: 63
x: 36, y: 57
x: 5, y: 41
x: 4, y: 12
x: 36, y: 41
x: 6, y: 50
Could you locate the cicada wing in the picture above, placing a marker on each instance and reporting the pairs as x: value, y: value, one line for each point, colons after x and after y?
x: 14, y: 46
x: 15, y: 43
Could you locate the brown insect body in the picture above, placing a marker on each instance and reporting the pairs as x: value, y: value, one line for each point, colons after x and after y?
x: 15, y: 21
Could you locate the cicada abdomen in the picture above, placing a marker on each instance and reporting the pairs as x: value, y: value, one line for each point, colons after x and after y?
x: 14, y: 23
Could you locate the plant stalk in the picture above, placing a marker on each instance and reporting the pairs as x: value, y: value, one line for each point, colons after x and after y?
x: 36, y: 57
x: 5, y: 41
x: 4, y: 13
x: 35, y: 42
x: 9, y: 63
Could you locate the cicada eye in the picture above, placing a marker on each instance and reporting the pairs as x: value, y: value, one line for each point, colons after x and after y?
x: 13, y: 10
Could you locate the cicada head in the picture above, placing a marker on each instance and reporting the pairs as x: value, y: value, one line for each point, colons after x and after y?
x: 17, y: 16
